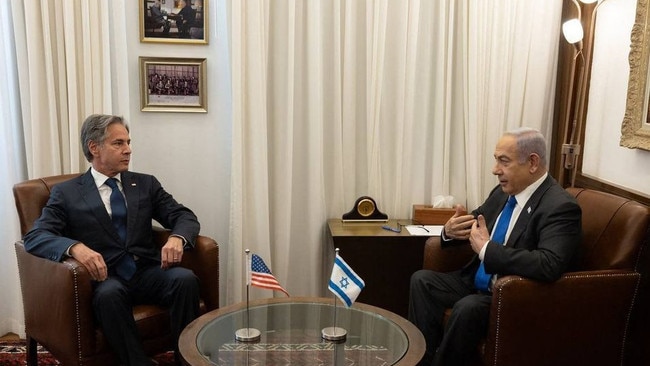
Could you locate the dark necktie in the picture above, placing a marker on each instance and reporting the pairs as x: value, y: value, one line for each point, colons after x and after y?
x: 126, y: 266
x: 482, y: 279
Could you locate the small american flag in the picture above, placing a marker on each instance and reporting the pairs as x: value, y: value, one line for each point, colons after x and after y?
x: 261, y: 276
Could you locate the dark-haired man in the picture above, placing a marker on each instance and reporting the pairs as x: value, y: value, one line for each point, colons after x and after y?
x: 103, y: 219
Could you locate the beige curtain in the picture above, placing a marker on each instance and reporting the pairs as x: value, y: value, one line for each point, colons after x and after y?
x: 13, y: 169
x: 57, y: 61
x: 64, y: 69
x: 399, y: 100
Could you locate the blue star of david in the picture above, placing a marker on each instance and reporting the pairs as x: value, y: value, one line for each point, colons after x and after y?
x: 344, y: 282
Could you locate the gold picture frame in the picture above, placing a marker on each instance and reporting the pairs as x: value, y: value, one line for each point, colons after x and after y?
x: 168, y: 23
x: 635, y: 130
x: 170, y: 84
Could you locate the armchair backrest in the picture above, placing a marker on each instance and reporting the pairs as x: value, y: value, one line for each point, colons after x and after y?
x: 32, y: 195
x: 614, y: 230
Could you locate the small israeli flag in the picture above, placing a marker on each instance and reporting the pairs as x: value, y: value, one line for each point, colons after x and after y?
x: 344, y: 283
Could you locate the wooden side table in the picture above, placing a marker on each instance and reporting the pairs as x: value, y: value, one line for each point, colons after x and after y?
x: 385, y: 260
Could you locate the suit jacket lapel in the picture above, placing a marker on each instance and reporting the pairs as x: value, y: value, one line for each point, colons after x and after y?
x: 527, y: 211
x: 90, y: 195
x: 132, y: 193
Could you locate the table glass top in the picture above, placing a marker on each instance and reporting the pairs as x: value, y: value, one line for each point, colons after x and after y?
x: 291, y: 334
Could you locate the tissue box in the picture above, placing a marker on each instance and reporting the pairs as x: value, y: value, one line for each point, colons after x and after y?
x: 427, y: 215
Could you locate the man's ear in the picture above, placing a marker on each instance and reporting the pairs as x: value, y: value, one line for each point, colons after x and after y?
x: 533, y: 160
x: 93, y: 147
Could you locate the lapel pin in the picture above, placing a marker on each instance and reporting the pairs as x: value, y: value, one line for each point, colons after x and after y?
x: 529, y: 209
x: 133, y: 185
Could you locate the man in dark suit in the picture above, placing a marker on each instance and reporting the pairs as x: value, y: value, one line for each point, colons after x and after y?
x: 541, y: 231
x: 158, y: 17
x: 185, y: 19
x: 88, y: 218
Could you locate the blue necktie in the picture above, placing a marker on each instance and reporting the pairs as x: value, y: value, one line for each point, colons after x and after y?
x: 126, y: 266
x: 482, y: 279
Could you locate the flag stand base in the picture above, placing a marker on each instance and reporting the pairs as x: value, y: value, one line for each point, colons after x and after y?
x: 247, y: 335
x: 334, y: 333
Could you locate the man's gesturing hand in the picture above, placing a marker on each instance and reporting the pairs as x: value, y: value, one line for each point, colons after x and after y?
x: 479, y: 235
x: 459, y: 226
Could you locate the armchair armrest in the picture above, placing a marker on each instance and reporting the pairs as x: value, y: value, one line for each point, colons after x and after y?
x: 59, y: 306
x: 545, y: 323
x: 203, y: 260
x: 447, y: 259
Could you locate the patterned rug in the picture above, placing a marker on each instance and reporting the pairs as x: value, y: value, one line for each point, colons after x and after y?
x: 13, y: 353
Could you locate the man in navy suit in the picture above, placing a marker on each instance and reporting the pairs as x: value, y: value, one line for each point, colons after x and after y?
x: 81, y: 220
x: 541, y: 236
x: 158, y: 16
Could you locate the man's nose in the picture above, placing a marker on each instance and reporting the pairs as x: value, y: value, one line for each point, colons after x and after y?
x: 496, y: 170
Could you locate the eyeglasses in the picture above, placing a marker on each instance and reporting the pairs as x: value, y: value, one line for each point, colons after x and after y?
x: 398, y: 229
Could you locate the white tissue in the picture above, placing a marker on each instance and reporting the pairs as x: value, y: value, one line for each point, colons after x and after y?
x: 443, y: 202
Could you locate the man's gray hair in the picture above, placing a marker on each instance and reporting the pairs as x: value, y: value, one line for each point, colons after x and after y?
x: 95, y: 129
x: 529, y: 141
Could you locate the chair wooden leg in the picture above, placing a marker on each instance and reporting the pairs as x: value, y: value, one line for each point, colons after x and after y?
x: 32, y: 357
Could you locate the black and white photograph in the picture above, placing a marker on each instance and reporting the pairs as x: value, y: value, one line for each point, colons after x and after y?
x: 172, y: 84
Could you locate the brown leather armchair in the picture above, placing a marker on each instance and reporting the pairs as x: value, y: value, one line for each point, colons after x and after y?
x: 584, y: 317
x: 57, y: 295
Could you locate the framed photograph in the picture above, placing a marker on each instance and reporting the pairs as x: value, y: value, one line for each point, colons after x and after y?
x: 174, y: 21
x: 635, y: 129
x: 173, y: 84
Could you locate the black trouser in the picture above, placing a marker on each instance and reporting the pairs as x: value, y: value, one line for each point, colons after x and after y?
x: 431, y: 293
x: 176, y: 288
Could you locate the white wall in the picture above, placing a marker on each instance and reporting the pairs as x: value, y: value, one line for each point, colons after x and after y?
x: 188, y: 152
x: 604, y: 159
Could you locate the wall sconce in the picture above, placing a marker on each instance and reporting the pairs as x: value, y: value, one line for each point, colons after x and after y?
x: 574, y: 34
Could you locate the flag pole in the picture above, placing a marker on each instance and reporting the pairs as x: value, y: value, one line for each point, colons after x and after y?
x: 248, y: 334
x: 334, y: 334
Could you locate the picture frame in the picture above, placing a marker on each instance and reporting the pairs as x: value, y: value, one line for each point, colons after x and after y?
x: 166, y: 21
x: 169, y: 84
x: 635, y: 129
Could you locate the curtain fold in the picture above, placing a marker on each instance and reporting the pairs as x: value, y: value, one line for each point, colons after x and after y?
x: 399, y: 100
x: 64, y: 66
x: 13, y: 162
x: 57, y: 63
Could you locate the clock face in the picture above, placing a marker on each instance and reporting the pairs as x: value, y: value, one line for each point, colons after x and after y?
x: 366, y: 207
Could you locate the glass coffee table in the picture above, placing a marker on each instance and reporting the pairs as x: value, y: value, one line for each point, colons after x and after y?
x: 291, y: 335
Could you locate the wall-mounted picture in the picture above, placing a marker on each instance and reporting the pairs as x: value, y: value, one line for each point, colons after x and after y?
x: 174, y: 21
x: 173, y: 84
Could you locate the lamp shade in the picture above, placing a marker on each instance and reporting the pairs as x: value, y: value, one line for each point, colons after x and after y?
x: 572, y: 30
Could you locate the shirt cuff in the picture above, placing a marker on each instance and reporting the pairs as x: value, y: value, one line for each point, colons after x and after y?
x: 67, y: 251
x: 182, y: 238
x: 481, y: 253
x: 444, y: 237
